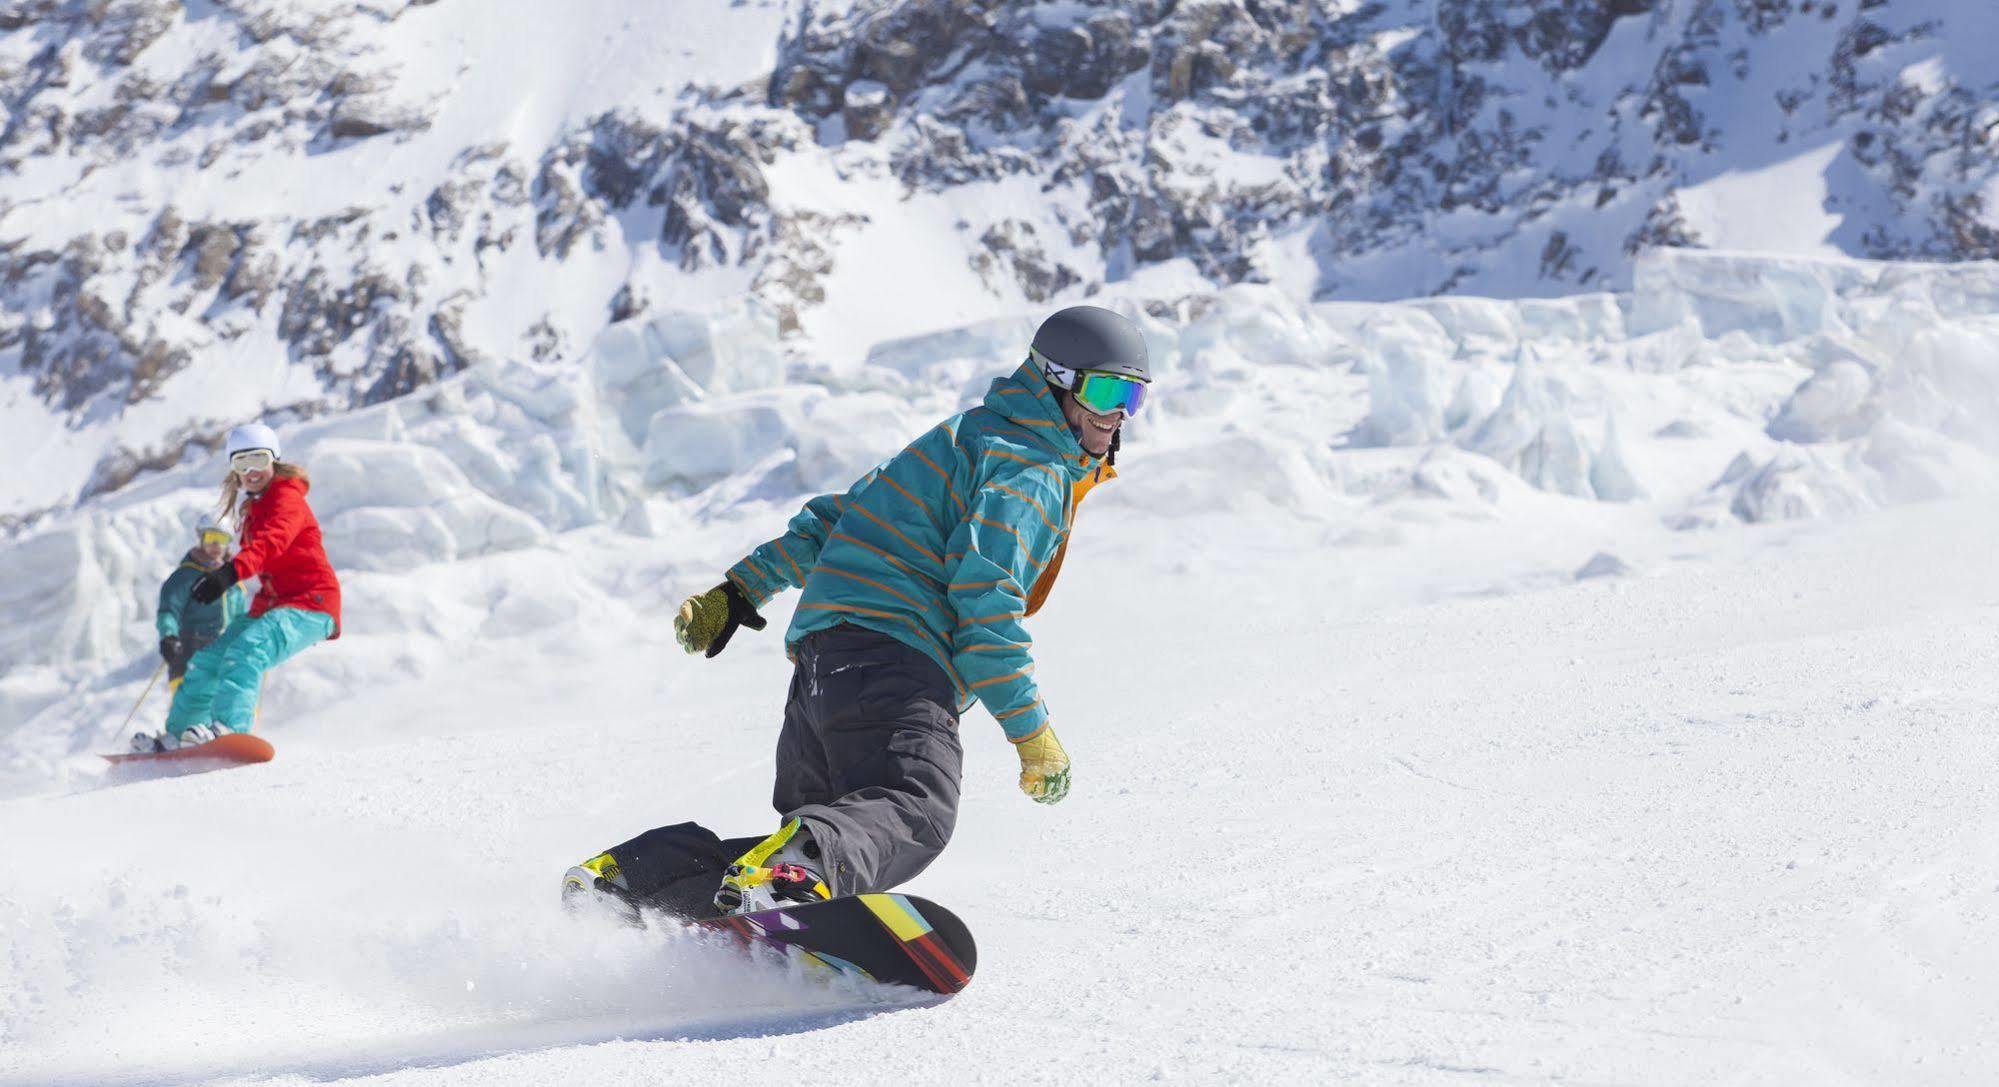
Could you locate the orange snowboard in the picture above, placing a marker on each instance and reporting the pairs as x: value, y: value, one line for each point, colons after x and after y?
x: 239, y: 747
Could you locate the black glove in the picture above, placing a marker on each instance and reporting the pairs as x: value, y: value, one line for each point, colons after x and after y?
x: 170, y: 649
x: 214, y: 583
x: 707, y: 622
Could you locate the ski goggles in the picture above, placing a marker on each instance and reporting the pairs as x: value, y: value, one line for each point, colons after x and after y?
x: 252, y: 460
x: 1105, y: 393
x: 215, y: 536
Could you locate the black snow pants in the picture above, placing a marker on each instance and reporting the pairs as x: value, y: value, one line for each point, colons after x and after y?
x: 868, y: 758
x: 190, y: 644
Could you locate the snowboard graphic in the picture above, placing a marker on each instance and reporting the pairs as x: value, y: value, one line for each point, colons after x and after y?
x: 235, y: 748
x: 898, y: 939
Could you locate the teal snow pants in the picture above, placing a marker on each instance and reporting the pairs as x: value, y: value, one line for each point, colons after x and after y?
x: 223, y: 679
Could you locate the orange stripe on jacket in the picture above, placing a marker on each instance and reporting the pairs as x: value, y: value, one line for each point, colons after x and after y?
x: 1042, y: 513
x: 896, y: 559
x: 872, y: 583
x: 941, y: 473
x: 1006, y: 528
x: 1016, y: 713
x: 789, y: 561
x: 898, y: 534
x: 1051, y: 469
x: 982, y: 620
x: 1045, y: 726
x: 968, y: 586
x: 919, y: 503
x: 1000, y: 679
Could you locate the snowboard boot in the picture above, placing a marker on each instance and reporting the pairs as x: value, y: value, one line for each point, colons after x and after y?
x: 598, y: 883
x: 196, y: 735
x: 781, y: 870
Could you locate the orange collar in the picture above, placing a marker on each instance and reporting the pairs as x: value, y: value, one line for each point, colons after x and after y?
x: 1082, y: 486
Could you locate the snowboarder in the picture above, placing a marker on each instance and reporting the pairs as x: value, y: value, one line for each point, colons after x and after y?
x: 185, y: 626
x: 297, y: 603
x: 915, y: 585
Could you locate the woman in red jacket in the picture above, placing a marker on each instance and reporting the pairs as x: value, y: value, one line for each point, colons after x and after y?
x: 297, y: 603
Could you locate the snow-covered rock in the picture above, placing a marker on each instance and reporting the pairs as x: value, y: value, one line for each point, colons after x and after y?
x: 1603, y: 564
x: 1799, y: 484
x: 1363, y: 422
x: 1611, y: 477
x: 252, y: 208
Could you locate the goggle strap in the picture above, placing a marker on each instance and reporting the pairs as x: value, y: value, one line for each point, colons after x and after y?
x: 1056, y: 372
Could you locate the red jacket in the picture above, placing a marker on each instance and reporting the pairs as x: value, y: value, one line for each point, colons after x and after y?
x: 281, y: 545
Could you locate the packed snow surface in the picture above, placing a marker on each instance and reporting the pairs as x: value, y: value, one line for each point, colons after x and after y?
x: 1585, y: 690
x: 1728, y: 822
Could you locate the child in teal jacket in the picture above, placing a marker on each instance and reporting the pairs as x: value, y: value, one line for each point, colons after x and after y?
x: 186, y: 625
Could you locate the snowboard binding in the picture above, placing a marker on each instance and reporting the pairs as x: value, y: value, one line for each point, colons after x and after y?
x: 775, y: 872
x: 597, y: 881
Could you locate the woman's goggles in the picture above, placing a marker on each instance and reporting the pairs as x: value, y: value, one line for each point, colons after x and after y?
x: 251, y: 460
x: 1105, y: 393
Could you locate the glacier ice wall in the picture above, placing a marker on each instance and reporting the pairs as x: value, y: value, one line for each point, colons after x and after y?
x: 1725, y: 390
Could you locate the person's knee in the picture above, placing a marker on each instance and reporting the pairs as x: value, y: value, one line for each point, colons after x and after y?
x: 247, y: 655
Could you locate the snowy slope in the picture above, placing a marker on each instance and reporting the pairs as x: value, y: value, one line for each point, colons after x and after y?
x: 1575, y: 690
x: 1727, y: 822
x: 1581, y: 688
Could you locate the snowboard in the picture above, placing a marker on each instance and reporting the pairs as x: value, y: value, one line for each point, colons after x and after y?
x: 892, y: 938
x: 237, y: 747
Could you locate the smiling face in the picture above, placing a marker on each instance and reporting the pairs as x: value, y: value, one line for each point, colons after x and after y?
x: 1092, y: 430
x: 254, y: 468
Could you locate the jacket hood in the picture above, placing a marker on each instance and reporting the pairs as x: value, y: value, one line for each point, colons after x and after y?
x: 1025, y: 398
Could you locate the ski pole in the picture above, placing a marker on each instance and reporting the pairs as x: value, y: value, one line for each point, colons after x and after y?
x: 142, y: 697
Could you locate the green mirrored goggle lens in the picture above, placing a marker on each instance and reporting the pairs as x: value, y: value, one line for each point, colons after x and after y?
x: 1106, y: 393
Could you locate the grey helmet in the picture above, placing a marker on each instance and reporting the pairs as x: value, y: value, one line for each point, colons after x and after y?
x: 1089, y: 338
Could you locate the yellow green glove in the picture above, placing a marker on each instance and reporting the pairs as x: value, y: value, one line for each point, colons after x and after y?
x: 1044, y: 767
x: 707, y: 622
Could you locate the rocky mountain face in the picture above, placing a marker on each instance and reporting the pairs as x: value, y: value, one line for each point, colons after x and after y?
x: 1339, y: 148
x: 1469, y: 123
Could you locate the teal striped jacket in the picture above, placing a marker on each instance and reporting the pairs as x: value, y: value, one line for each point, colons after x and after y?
x: 946, y: 546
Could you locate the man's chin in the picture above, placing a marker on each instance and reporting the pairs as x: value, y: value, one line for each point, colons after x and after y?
x: 1086, y: 436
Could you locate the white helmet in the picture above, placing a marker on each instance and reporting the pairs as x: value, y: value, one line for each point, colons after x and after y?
x: 253, y: 436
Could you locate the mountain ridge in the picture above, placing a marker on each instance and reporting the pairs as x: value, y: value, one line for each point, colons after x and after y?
x: 315, y: 207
